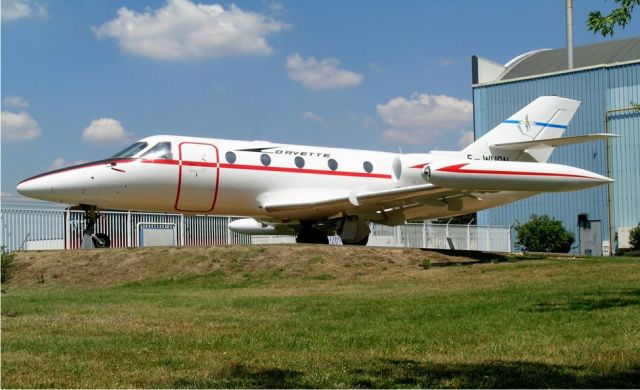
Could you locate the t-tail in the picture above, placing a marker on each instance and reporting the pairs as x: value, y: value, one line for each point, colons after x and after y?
x: 530, y: 134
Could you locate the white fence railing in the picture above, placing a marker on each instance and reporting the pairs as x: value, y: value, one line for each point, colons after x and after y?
x: 36, y: 229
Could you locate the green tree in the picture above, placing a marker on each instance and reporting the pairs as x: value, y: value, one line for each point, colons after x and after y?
x: 605, y: 24
x: 634, y: 237
x: 544, y: 234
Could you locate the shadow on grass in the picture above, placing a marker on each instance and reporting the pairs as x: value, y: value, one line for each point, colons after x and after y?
x: 242, y: 376
x: 497, y: 374
x: 593, y: 301
x: 477, y: 256
x: 394, y: 373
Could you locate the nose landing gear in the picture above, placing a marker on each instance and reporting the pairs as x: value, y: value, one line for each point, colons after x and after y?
x: 90, y: 239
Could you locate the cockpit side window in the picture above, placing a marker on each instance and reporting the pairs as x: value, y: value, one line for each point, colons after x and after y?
x: 131, y: 150
x: 161, y: 150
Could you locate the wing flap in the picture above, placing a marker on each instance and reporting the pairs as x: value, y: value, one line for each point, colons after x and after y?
x: 398, y: 194
x: 552, y: 142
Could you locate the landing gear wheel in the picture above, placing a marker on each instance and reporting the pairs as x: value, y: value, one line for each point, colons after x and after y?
x: 101, y: 240
x: 310, y: 235
x: 362, y: 242
x: 90, y: 239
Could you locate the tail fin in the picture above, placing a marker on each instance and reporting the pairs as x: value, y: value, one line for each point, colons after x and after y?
x: 544, y: 118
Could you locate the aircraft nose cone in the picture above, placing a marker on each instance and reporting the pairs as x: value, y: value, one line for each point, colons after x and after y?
x: 33, y: 188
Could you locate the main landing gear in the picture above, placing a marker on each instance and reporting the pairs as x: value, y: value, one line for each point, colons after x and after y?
x: 90, y: 239
x: 354, y: 231
x: 310, y: 235
x: 351, y: 230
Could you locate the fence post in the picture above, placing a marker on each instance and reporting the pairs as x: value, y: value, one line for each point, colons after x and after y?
x: 488, y: 239
x: 181, y: 230
x: 228, y: 231
x: 405, y: 236
x: 67, y: 229
x: 128, y: 230
x: 424, y: 234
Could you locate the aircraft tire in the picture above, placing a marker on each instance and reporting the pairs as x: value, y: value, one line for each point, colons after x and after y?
x: 362, y: 242
x: 104, y: 242
x: 312, y: 236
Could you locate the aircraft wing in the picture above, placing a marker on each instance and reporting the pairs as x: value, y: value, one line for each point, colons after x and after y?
x: 399, y: 195
x: 295, y: 204
x: 306, y: 205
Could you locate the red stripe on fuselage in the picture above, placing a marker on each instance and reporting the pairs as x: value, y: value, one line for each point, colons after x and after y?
x: 303, y: 170
x: 182, y: 162
x: 270, y: 169
x: 161, y: 161
x: 457, y: 169
x: 213, y: 165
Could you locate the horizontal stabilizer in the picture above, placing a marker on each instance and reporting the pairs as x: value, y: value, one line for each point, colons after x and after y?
x: 552, y: 142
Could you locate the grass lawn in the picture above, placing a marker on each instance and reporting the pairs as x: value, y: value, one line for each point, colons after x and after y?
x: 526, y: 323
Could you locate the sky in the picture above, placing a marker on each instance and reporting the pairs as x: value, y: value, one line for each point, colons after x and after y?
x: 82, y: 79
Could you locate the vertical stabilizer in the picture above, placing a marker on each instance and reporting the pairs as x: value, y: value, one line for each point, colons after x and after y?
x: 544, y: 118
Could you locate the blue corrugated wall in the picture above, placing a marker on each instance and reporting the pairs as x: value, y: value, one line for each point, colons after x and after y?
x: 623, y: 88
x: 599, y: 90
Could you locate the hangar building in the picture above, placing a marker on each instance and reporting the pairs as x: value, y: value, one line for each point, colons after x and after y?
x: 606, y: 79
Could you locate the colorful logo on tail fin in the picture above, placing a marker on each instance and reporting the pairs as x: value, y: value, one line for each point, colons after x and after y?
x: 526, y: 122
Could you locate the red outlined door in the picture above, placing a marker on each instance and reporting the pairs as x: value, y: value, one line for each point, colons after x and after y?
x: 198, y: 177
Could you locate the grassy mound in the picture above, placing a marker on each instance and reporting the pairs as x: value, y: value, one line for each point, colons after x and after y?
x: 318, y: 316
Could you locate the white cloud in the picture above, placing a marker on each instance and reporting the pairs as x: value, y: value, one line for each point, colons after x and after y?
x: 61, y: 163
x: 15, y: 102
x: 184, y: 30
x: 311, y: 116
x: 446, y: 62
x: 19, y: 127
x: 423, y: 117
x: 319, y: 75
x: 275, y: 7
x: 375, y: 67
x: 364, y: 120
x: 466, y: 138
x: 21, y: 9
x: 105, y: 130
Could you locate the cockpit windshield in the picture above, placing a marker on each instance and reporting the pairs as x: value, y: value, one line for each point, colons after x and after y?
x: 162, y: 150
x: 131, y: 150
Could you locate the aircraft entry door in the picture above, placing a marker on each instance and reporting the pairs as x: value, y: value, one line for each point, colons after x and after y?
x: 197, y: 177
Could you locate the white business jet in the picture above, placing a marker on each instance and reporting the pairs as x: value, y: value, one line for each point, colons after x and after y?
x: 313, y: 191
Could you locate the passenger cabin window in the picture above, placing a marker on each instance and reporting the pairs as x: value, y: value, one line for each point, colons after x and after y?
x: 265, y: 160
x: 131, y: 150
x: 162, y: 150
x: 231, y: 157
x: 333, y: 164
x: 368, y: 167
x: 299, y: 161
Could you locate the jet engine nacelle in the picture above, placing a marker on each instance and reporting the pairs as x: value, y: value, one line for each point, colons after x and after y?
x: 252, y: 227
x: 510, y: 176
x: 407, y: 169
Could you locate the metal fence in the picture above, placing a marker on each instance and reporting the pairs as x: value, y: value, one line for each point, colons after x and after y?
x: 36, y: 229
